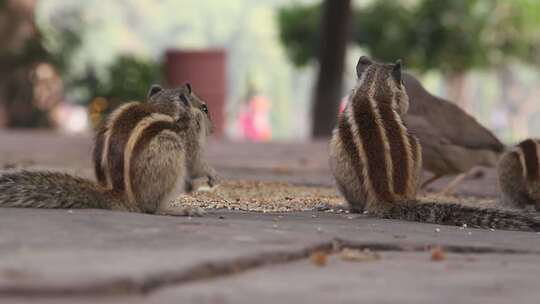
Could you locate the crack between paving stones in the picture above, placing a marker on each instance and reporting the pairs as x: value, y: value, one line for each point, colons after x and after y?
x: 217, y: 269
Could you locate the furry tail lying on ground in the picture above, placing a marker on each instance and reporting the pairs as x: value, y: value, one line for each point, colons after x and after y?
x: 43, y: 189
x: 458, y: 215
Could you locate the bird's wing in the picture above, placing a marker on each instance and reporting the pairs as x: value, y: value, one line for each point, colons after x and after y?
x: 421, y: 128
x: 451, y: 122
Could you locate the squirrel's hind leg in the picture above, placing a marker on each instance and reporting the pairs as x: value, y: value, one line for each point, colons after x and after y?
x: 347, y: 179
x: 158, y: 175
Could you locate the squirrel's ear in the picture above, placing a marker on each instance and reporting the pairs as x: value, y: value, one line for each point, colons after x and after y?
x: 188, y: 86
x: 155, y: 88
x: 363, y: 63
x: 396, y: 71
x: 184, y: 100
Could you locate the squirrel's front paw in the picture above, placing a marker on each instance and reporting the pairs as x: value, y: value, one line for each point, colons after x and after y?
x: 213, y: 178
x: 193, y: 211
x: 204, y: 183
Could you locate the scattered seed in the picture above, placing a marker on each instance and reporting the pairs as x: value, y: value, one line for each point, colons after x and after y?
x: 355, y: 255
x: 438, y: 254
x: 319, y: 258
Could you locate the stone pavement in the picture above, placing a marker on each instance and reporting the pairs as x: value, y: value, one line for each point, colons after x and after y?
x: 82, y: 256
x: 89, y: 256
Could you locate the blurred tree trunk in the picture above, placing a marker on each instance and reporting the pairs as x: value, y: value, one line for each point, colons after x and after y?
x: 21, y: 51
x: 335, y: 25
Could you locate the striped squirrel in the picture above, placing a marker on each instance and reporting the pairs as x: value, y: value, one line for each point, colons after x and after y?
x: 376, y: 161
x: 143, y: 155
x: 453, y: 142
x: 519, y: 175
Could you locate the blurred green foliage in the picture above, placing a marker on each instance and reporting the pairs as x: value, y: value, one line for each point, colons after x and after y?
x: 246, y: 29
x: 384, y: 28
x: 129, y: 78
x: 62, y: 39
x: 448, y: 36
x: 296, y: 31
x: 126, y: 78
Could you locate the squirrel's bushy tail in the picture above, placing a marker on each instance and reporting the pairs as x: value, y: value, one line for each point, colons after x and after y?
x: 43, y: 189
x: 457, y: 215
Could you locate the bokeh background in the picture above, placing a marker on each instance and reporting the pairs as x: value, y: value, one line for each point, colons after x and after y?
x: 64, y: 64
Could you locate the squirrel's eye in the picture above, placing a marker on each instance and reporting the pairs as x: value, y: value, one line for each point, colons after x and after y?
x: 204, y: 108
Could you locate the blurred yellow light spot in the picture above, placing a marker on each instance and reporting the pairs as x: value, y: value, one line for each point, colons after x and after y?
x: 95, y: 119
x: 98, y: 105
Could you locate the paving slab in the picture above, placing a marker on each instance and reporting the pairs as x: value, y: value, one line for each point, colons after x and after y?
x: 53, y: 254
x: 395, y: 278
x: 43, y: 250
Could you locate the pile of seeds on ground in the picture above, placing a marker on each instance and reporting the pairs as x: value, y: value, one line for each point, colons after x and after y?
x: 263, y: 197
x: 284, y: 197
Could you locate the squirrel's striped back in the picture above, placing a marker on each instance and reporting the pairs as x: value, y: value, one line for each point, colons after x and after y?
x: 114, y: 143
x: 382, y: 152
x: 528, y: 152
x: 111, y: 140
x: 518, y: 171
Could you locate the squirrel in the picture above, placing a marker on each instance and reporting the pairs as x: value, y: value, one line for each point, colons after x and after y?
x: 376, y: 161
x: 145, y: 155
x: 518, y: 174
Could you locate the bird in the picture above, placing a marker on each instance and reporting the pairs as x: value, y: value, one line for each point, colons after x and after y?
x: 453, y: 142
